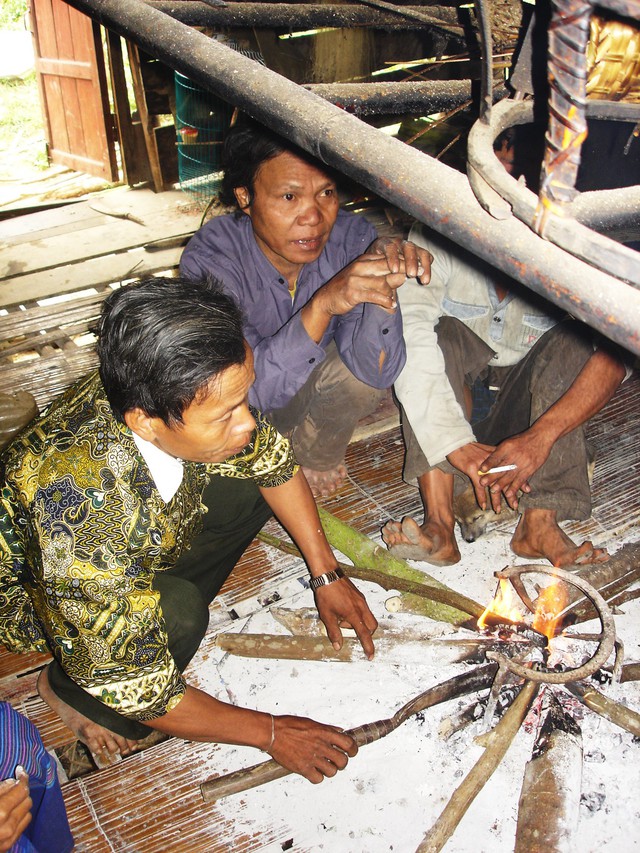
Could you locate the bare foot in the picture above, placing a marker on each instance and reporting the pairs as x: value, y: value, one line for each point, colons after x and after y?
x: 106, y: 747
x: 432, y: 543
x: 538, y: 535
x: 324, y: 483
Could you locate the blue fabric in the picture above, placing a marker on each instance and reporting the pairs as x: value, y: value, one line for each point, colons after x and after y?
x: 21, y: 744
x: 284, y: 354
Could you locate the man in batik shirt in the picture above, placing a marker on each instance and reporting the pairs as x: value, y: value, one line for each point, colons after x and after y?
x: 124, y: 509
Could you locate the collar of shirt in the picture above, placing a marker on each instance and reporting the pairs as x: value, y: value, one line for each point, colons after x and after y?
x: 166, y: 470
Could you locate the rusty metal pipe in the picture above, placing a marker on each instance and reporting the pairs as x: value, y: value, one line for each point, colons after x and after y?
x: 301, y: 16
x: 425, y: 188
x: 365, y: 99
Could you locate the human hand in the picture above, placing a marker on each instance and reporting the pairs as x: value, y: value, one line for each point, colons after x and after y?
x: 15, y: 809
x: 311, y: 749
x: 341, y: 605
x: 527, y: 451
x: 417, y: 261
x: 367, y: 279
x: 468, y: 459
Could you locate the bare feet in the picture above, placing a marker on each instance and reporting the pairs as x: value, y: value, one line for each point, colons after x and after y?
x: 538, y: 535
x: 432, y: 543
x: 324, y: 483
x: 106, y: 747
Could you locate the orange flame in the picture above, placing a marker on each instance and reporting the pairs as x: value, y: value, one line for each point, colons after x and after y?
x: 550, y: 604
x: 505, y: 604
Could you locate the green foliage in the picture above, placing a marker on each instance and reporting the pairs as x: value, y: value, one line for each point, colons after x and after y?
x: 22, y: 140
x: 12, y: 13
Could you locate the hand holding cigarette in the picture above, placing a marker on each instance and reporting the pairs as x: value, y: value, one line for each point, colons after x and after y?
x: 497, y: 470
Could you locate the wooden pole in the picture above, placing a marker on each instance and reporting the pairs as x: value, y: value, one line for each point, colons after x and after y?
x: 318, y: 647
x: 390, y: 573
x: 550, y: 795
x: 607, y: 708
x: 498, y: 743
x: 268, y: 771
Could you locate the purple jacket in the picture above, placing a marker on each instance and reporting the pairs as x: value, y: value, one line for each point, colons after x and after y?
x: 284, y: 353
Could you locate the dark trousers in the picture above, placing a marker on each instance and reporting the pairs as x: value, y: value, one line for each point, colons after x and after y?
x: 324, y: 413
x: 237, y: 512
x: 527, y: 390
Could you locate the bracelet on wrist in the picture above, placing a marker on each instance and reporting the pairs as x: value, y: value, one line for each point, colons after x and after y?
x: 273, y: 735
x: 326, y: 578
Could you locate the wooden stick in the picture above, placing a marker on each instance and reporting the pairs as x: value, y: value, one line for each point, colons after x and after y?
x: 319, y: 647
x: 268, y: 771
x: 610, y: 579
x: 304, y: 621
x: 375, y: 565
x: 630, y: 672
x: 499, y: 742
x: 550, y: 795
x: 607, y: 708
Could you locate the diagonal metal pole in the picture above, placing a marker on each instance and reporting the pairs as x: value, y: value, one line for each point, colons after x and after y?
x: 423, y: 187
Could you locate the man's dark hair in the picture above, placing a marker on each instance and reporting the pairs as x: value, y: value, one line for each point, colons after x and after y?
x: 162, y: 341
x: 246, y: 147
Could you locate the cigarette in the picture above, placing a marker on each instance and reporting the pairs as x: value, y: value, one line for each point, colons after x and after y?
x: 498, y: 470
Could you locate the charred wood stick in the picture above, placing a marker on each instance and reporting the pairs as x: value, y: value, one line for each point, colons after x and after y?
x: 304, y: 621
x: 269, y: 771
x: 473, y: 713
x: 550, y: 795
x: 610, y: 579
x: 623, y: 597
x: 607, y: 708
x: 630, y: 672
x: 498, y: 743
x: 318, y: 648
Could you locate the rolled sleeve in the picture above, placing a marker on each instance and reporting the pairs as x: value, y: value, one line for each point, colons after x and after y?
x: 268, y: 459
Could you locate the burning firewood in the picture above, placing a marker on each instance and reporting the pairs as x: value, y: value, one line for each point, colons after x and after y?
x: 497, y: 744
x: 611, y: 579
x: 454, y: 724
x: 242, y: 780
x: 550, y: 795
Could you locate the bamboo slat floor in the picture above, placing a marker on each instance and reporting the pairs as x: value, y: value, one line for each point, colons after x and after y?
x: 150, y: 802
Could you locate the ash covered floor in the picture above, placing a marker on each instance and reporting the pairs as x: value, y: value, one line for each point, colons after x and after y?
x: 394, y: 790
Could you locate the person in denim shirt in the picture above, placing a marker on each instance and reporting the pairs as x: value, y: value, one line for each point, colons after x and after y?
x: 473, y: 324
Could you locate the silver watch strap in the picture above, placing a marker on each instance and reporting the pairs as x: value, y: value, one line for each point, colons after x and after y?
x: 326, y: 578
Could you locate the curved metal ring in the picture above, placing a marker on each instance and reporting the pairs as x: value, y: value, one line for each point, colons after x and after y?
x: 607, y: 637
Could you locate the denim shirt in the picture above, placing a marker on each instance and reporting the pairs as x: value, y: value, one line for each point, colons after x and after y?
x: 284, y: 354
x: 510, y: 326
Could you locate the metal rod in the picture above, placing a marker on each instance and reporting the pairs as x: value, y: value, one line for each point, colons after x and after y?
x: 290, y: 16
x: 397, y: 98
x: 423, y: 187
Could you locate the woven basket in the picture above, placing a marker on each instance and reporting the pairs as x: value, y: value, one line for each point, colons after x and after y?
x: 613, y: 60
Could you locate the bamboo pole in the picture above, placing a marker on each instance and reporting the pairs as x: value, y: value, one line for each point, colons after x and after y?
x: 498, y: 743
x: 269, y: 771
x: 363, y: 552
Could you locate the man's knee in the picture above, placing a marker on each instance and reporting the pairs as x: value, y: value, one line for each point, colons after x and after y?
x: 186, y: 616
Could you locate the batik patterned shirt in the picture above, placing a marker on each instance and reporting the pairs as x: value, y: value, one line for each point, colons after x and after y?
x: 83, y: 531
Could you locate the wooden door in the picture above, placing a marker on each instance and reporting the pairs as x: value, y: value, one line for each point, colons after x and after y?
x: 73, y: 89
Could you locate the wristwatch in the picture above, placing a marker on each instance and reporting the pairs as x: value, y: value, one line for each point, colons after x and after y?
x: 326, y: 578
